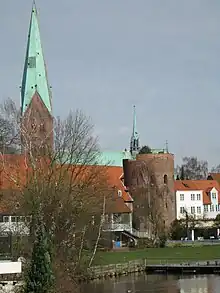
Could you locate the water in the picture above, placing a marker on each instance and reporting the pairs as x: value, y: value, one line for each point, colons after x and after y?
x: 156, y: 284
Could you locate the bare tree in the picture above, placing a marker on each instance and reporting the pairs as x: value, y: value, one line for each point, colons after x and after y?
x: 216, y: 169
x: 9, y: 128
x: 190, y: 222
x: 150, y: 202
x: 193, y: 169
x: 145, y: 150
x: 64, y: 185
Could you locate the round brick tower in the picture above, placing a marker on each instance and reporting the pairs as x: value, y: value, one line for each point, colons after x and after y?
x: 138, y: 173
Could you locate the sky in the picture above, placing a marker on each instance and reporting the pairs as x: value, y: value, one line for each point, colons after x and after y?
x: 104, y: 56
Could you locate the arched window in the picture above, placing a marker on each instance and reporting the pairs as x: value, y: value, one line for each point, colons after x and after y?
x: 165, y: 179
x: 119, y: 193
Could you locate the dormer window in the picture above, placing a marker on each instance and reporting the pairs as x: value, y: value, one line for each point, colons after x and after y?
x: 213, y: 195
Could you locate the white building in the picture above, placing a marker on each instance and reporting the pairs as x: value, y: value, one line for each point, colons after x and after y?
x: 199, y: 198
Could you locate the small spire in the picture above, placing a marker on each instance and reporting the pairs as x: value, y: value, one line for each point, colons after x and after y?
x: 167, y: 149
x: 34, y: 7
x: 134, y: 121
x: 134, y: 144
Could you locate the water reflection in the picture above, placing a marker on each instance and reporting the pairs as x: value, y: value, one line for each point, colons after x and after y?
x: 156, y: 284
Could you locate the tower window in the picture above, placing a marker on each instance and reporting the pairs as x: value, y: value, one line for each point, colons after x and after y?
x: 151, y: 179
x: 119, y: 193
x: 32, y: 62
x: 165, y: 179
x: 34, y: 124
x: 42, y: 127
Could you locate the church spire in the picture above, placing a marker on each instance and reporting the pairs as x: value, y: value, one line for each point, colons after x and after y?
x: 36, y: 104
x: 134, y: 144
x: 35, y: 73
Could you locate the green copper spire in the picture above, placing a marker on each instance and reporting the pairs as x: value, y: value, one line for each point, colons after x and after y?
x: 134, y: 145
x: 35, y: 73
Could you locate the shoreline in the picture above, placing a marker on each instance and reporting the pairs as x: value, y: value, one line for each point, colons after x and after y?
x: 116, y: 270
x: 140, y: 266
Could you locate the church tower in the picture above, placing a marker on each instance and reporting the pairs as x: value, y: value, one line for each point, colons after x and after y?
x: 36, y: 103
x: 134, y: 144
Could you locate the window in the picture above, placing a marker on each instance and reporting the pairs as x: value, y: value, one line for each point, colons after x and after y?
x: 21, y: 219
x: 165, y: 179
x: 192, y: 196
x: 42, y: 126
x: 13, y: 219
x: 216, y: 208
x: 213, y: 195
x: 198, y: 210
x: 119, y: 193
x: 181, y: 196
x: 93, y: 220
x: 193, y: 210
x: 5, y: 219
x: 198, y: 196
x: 212, y: 208
x: 206, y: 208
x: 182, y: 210
x: 34, y: 124
x: 28, y: 219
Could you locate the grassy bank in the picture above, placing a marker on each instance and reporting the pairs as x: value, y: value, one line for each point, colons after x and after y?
x: 158, y: 255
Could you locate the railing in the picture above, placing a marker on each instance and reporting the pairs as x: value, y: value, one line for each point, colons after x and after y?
x: 140, y: 234
x: 125, y: 227
x: 117, y: 227
x: 14, y: 228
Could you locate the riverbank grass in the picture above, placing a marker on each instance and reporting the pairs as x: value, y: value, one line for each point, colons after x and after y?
x: 160, y: 255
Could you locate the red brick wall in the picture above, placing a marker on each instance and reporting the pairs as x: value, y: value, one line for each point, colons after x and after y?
x: 37, y: 124
x: 137, y: 174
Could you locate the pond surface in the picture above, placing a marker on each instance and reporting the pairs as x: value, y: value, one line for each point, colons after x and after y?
x: 156, y: 284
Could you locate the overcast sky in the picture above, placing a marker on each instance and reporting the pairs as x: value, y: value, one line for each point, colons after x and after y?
x: 103, y: 56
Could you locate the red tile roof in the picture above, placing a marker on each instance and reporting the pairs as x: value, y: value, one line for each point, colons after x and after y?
x: 14, y: 173
x: 214, y: 176
x: 205, y: 185
x: 115, y: 179
x: 117, y: 205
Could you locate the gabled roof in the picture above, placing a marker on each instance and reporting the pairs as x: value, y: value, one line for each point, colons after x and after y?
x: 115, y: 178
x: 201, y: 185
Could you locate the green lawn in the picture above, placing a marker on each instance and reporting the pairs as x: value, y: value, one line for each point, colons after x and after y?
x: 158, y: 255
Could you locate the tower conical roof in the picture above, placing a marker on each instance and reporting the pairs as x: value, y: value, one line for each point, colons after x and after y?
x: 35, y: 73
